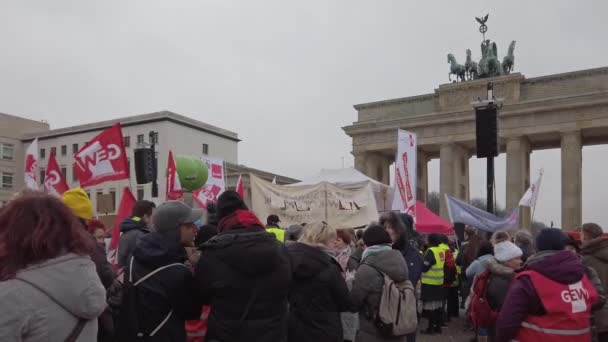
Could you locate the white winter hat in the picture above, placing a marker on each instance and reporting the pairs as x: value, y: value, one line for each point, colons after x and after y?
x: 506, y: 250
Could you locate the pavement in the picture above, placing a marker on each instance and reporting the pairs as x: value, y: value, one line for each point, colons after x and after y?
x: 453, y: 333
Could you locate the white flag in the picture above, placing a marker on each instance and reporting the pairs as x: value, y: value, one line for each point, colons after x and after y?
x: 31, y: 160
x: 531, y: 195
x: 404, y: 198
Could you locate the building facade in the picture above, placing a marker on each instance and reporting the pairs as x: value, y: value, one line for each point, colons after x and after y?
x: 170, y: 131
x: 12, y: 152
x: 566, y: 111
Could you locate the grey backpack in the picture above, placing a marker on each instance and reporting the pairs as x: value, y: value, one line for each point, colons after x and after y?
x: 397, y: 314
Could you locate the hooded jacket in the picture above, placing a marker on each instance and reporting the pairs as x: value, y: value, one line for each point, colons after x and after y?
x: 522, y: 300
x: 367, y: 290
x: 171, y: 289
x: 478, y: 266
x: 412, y: 256
x: 73, y: 291
x: 595, y: 255
x: 244, y: 275
x: 132, y: 228
x: 500, y: 278
x: 317, y: 296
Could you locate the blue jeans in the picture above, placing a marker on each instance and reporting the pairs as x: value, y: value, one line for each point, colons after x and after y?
x: 410, y: 337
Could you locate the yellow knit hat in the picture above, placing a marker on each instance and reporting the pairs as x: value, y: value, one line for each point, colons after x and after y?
x: 78, y: 201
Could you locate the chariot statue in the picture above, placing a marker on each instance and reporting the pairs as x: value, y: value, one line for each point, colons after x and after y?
x: 488, y: 66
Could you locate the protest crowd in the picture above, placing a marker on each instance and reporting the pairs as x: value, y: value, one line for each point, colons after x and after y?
x: 221, y: 275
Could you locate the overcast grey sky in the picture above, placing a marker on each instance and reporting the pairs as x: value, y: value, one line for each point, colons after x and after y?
x: 284, y: 74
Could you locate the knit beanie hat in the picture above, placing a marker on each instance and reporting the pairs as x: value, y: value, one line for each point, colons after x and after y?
x: 169, y: 216
x: 376, y: 235
x: 506, y: 250
x: 78, y: 201
x: 228, y: 203
x: 551, y: 239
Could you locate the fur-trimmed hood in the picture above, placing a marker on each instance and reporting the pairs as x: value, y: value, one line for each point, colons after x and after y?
x: 498, y: 269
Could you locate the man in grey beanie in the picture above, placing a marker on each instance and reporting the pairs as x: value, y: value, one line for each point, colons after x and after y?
x: 165, y: 286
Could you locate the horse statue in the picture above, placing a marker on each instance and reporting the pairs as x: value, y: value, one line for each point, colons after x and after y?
x: 456, y: 69
x: 509, y: 61
x: 489, y: 65
x: 470, y: 67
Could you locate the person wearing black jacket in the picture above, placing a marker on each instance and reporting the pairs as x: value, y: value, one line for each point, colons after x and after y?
x: 319, y: 292
x: 160, y: 304
x: 133, y: 228
x: 244, y: 275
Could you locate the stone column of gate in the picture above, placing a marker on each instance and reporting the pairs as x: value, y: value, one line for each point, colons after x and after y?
x: 446, y: 176
x: 572, y: 163
x: 360, y: 164
x: 518, y: 176
x: 374, y: 165
x: 385, y: 163
x: 422, y: 187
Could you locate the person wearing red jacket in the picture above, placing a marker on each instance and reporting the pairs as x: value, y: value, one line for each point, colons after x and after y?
x: 551, y: 299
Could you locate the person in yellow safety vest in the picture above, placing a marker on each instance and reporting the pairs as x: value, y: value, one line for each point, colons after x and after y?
x: 273, y: 227
x: 433, y: 292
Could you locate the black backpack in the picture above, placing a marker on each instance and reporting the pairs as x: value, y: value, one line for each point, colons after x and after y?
x: 128, y: 323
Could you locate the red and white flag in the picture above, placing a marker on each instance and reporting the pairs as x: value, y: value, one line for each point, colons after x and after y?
x: 103, y: 159
x: 531, y: 195
x: 31, y: 161
x: 54, y: 181
x: 124, y: 210
x: 404, y: 198
x: 216, y: 183
x: 174, y: 187
x: 240, y: 188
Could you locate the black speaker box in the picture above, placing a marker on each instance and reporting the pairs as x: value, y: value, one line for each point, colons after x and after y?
x: 486, y: 132
x: 144, y: 165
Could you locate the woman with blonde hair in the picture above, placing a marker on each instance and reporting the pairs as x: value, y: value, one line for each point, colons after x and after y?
x: 318, y: 292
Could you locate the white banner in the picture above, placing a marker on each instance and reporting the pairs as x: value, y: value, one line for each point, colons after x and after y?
x: 404, y: 198
x: 342, y: 208
x: 216, y: 183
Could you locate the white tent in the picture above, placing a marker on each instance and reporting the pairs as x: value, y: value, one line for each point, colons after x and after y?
x: 349, y: 178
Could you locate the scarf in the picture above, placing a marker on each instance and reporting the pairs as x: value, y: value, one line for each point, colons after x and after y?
x: 342, y: 256
x: 240, y: 219
x: 375, y: 250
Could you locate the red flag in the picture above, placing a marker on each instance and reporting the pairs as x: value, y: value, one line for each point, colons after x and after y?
x: 240, y: 188
x: 103, y: 159
x: 54, y: 181
x: 174, y: 187
x: 124, y: 210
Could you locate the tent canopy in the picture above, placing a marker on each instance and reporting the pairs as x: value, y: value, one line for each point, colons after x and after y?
x: 347, y: 177
x: 429, y: 223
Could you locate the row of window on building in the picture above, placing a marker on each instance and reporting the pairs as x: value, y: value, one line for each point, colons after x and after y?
x: 7, y: 151
x: 126, y: 140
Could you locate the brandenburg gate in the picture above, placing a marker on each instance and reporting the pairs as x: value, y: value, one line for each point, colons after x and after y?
x: 566, y: 111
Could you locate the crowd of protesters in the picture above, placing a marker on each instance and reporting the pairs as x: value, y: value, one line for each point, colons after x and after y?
x: 221, y: 275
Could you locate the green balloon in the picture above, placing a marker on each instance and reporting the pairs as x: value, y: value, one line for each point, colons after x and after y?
x: 192, y: 172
